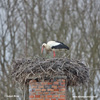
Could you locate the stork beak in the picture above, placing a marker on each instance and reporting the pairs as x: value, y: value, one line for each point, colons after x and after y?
x: 42, y: 50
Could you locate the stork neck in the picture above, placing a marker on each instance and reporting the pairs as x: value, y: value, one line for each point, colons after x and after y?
x: 47, y: 47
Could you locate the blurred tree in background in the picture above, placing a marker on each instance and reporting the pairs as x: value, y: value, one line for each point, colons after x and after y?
x: 26, y: 24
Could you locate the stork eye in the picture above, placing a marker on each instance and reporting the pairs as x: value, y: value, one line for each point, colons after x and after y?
x: 43, y: 46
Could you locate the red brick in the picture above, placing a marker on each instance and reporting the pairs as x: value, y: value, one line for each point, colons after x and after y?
x: 49, y: 83
x: 61, y: 99
x: 42, y: 96
x: 31, y: 96
x: 32, y: 90
x: 34, y: 86
x: 46, y: 92
x: 37, y: 96
x: 41, y: 99
x: 61, y: 86
x: 43, y: 83
x: 35, y: 83
x: 62, y: 89
x: 37, y: 89
x: 40, y: 92
x: 53, y: 92
x: 49, y: 96
x: 62, y: 83
x: 63, y: 80
x: 62, y: 96
x: 40, y: 86
x: 56, y: 83
x: 43, y: 89
x: 55, y: 87
x: 47, y: 99
x: 34, y: 93
x: 50, y: 89
x: 53, y: 99
x: 55, y: 96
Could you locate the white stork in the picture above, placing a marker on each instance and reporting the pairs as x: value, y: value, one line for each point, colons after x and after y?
x: 53, y: 46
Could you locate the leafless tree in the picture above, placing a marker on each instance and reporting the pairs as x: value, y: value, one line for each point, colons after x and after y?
x: 26, y: 24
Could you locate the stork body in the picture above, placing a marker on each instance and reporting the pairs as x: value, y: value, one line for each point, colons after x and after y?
x: 53, y: 46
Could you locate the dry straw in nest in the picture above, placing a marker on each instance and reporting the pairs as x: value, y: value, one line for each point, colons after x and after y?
x: 75, y: 72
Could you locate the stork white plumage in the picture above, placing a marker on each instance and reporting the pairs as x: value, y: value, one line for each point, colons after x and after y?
x: 53, y: 46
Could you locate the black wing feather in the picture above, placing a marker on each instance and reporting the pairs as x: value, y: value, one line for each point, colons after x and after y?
x: 60, y: 46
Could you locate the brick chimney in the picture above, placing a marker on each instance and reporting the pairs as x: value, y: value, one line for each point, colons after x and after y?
x: 54, y: 90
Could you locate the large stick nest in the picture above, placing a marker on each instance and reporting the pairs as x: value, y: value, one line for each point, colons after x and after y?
x: 75, y: 72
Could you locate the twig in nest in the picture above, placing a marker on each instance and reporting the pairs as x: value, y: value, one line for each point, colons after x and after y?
x: 42, y: 69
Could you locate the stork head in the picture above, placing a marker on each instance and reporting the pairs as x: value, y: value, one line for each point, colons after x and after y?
x: 43, y: 46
